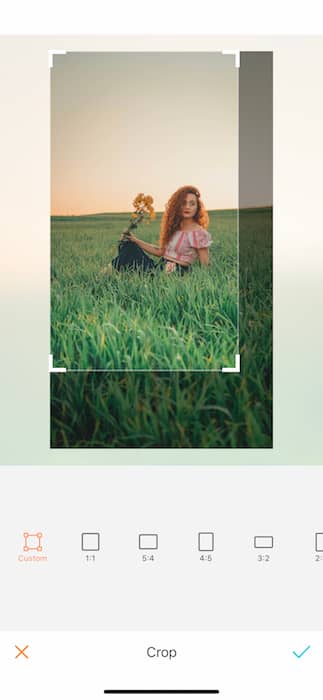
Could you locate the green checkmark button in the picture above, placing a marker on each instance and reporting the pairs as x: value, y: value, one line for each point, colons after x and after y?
x: 299, y: 656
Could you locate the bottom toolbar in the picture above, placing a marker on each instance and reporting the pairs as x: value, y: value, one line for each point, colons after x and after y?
x: 231, y: 665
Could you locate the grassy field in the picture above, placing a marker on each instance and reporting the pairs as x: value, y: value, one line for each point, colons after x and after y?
x: 179, y: 409
x: 118, y: 321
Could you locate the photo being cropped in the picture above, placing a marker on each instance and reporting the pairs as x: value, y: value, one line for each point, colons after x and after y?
x: 184, y: 239
x: 144, y: 236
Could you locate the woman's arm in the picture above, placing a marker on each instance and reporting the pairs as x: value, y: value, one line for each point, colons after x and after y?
x: 203, y: 254
x: 147, y: 247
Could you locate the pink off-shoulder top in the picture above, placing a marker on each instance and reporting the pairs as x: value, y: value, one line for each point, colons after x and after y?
x: 183, y: 245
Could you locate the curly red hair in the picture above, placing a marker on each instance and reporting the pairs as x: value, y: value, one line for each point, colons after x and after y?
x: 173, y: 213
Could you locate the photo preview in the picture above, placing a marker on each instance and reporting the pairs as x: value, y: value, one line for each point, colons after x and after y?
x: 161, y: 314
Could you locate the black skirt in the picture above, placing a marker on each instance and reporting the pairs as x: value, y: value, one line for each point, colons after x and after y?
x: 132, y: 257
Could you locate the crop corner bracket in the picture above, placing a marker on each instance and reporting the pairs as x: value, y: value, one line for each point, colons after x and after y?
x: 51, y: 55
x: 233, y: 369
x: 52, y: 369
x: 235, y: 53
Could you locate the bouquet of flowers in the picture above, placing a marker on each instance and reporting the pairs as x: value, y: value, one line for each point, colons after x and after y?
x: 130, y: 256
x: 144, y: 212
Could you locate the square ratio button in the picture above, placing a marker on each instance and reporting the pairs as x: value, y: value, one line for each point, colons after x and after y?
x: 90, y: 541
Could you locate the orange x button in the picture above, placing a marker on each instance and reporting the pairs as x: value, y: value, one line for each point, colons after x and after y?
x: 21, y: 652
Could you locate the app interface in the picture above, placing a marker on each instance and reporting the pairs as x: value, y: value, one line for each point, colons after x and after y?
x: 161, y: 453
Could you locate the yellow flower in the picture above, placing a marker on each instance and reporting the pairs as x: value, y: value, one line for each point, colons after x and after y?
x: 143, y: 205
x: 138, y: 199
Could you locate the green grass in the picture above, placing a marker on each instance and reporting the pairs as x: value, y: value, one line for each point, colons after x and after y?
x: 118, y: 321
x: 181, y: 409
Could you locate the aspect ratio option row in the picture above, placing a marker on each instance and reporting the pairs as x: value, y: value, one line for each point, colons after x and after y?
x: 205, y: 541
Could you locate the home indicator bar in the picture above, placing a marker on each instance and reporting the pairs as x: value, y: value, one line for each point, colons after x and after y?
x: 162, y: 692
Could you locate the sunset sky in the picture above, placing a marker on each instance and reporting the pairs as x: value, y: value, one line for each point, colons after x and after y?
x: 124, y: 123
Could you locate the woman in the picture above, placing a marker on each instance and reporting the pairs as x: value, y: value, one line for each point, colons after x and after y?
x: 183, y: 237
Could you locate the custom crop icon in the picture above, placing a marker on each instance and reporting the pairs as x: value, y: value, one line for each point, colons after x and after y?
x: 33, y: 541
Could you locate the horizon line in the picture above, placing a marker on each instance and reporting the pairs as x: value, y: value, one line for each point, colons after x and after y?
x: 104, y: 213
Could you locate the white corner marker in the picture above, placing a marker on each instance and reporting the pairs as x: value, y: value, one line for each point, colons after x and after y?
x: 54, y: 369
x: 233, y: 369
x: 233, y: 53
x: 51, y: 54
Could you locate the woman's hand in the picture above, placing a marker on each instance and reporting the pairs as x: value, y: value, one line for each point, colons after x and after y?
x: 127, y: 236
x: 147, y: 247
